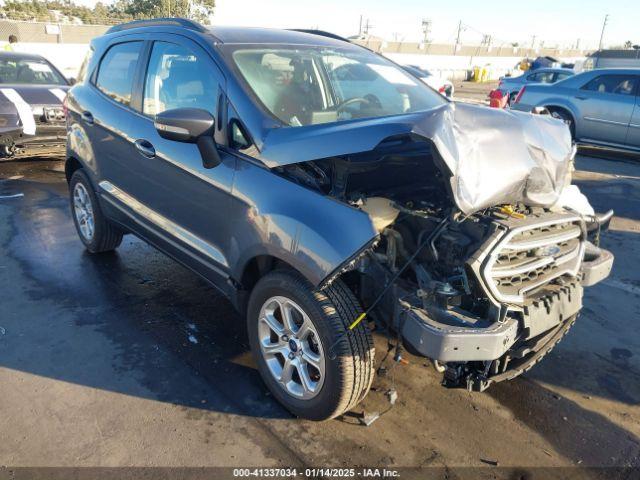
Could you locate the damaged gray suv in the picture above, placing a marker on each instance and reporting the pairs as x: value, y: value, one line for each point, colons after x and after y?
x: 327, y: 192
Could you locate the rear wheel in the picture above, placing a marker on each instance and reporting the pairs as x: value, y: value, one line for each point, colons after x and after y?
x: 292, y: 327
x: 96, y: 232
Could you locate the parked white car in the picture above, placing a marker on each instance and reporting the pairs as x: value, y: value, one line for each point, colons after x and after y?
x: 442, y: 85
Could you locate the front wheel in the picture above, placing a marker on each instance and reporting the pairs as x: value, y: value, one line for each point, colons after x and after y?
x: 292, y: 327
x: 567, y: 119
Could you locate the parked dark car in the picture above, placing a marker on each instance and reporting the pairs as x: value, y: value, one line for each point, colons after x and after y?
x: 324, y: 190
x: 601, y: 107
x: 31, y: 112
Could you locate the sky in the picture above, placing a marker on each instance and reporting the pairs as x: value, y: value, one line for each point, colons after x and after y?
x: 557, y: 23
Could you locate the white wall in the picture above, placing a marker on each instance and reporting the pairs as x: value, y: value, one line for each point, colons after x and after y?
x: 454, y: 67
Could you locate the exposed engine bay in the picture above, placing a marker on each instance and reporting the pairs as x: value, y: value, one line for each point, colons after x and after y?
x: 483, y: 294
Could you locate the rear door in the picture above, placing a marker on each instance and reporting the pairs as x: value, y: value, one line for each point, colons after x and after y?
x: 605, y: 105
x: 106, y: 113
x: 633, y: 134
x: 182, y: 205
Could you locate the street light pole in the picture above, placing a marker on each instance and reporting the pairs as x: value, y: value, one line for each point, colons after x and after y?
x: 604, y: 25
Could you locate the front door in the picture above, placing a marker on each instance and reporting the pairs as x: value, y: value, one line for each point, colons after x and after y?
x: 606, y: 104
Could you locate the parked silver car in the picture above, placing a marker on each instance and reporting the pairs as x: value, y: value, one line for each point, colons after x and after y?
x: 601, y: 107
x: 512, y: 85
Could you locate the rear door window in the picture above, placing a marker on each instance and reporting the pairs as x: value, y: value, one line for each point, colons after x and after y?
x: 616, y: 84
x: 178, y: 78
x: 561, y: 76
x: 117, y: 71
x: 541, y: 77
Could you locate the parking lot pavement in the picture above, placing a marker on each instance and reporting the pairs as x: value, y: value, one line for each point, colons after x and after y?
x: 473, y: 92
x: 129, y: 359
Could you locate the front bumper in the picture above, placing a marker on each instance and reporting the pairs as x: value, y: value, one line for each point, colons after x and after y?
x: 48, y: 137
x: 596, y: 265
x: 453, y: 336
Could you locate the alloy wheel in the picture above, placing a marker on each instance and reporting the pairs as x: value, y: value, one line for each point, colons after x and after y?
x: 291, y: 347
x: 83, y: 210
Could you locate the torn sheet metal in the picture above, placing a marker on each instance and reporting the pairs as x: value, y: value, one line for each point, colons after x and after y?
x: 501, y: 157
x: 494, y: 156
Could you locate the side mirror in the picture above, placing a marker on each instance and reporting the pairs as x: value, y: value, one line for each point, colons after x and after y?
x: 72, y: 81
x: 190, y: 125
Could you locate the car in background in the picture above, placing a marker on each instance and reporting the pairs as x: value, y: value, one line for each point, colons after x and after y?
x: 601, y: 107
x: 510, y: 86
x: 441, y: 85
x: 32, y: 118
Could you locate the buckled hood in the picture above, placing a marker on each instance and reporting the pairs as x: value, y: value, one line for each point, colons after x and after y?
x: 493, y: 156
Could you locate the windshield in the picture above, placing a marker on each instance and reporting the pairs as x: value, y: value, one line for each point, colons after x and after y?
x: 28, y: 71
x: 310, y: 85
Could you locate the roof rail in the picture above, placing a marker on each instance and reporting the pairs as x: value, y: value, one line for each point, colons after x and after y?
x: 159, y: 22
x: 322, y: 33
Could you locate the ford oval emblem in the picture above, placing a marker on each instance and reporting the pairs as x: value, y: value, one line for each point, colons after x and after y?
x: 549, y: 251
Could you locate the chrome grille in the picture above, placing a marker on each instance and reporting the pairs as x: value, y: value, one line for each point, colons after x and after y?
x: 529, y: 257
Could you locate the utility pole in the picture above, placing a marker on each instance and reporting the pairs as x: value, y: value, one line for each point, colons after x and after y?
x: 360, y: 27
x: 367, y: 26
x: 459, y: 32
x: 455, y: 50
x: 604, y: 25
x: 426, y: 30
x: 533, y: 41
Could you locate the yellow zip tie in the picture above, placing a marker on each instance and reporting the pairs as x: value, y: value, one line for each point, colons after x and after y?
x: 508, y: 210
x: 357, y: 320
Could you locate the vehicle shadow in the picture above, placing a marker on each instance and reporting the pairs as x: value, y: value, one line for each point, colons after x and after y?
x: 101, y: 320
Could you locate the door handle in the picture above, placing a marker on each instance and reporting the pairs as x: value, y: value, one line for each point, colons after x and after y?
x: 145, y: 148
x: 87, y: 117
x: 580, y: 97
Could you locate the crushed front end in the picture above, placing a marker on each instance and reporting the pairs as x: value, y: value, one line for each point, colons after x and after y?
x: 489, y: 294
x: 483, y: 247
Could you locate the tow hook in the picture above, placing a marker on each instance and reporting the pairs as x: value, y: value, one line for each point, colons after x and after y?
x: 459, y: 376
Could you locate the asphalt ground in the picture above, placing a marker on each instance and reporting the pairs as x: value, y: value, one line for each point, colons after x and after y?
x: 128, y: 359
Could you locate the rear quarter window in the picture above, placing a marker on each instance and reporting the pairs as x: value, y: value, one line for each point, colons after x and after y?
x: 117, y: 70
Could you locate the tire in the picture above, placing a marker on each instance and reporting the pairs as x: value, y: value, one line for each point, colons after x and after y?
x: 566, y: 118
x: 103, y: 236
x: 346, y: 379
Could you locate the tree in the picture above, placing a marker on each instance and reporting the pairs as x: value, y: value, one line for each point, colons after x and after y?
x: 200, y: 10
x: 117, y: 12
x: 628, y: 45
